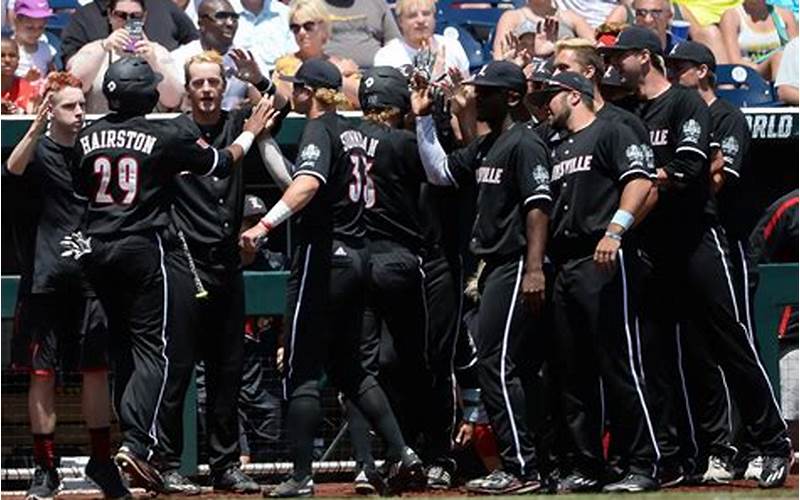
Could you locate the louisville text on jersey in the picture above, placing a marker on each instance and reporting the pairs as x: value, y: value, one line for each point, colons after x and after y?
x: 571, y: 166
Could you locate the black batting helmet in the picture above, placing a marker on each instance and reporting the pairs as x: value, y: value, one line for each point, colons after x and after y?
x: 384, y: 87
x: 130, y: 86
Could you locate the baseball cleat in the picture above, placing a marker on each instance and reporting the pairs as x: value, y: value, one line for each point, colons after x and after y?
x: 293, y: 488
x: 142, y: 473
x: 176, y: 483
x: 44, y: 485
x: 439, y: 478
x: 105, y: 474
x: 362, y: 484
x: 579, y: 483
x: 502, y: 483
x: 720, y: 471
x: 774, y: 471
x: 234, y: 480
x: 632, y: 483
x: 754, y: 468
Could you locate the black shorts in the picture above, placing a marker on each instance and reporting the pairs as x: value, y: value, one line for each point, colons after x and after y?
x: 66, y: 331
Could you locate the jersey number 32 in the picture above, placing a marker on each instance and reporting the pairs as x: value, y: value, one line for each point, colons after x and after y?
x: 125, y: 183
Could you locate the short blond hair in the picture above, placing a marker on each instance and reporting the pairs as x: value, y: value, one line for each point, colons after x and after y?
x: 311, y: 10
x: 585, y: 53
x: 402, y: 6
x: 208, y: 56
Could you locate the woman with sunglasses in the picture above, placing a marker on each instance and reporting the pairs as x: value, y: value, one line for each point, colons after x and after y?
x: 126, y: 19
x: 309, y: 21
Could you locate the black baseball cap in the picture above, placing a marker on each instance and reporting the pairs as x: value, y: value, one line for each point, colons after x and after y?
x: 254, y: 206
x: 317, y: 73
x: 568, y: 80
x: 693, y: 52
x: 612, y: 78
x: 384, y: 87
x: 635, y: 38
x: 500, y: 74
x: 542, y: 70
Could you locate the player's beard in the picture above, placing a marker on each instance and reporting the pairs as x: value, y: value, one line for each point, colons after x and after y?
x: 559, y: 119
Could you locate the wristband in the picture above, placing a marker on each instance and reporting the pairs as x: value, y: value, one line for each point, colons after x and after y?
x: 245, y: 140
x: 267, y: 227
x: 265, y: 85
x: 276, y: 215
x: 613, y: 235
x: 623, y: 218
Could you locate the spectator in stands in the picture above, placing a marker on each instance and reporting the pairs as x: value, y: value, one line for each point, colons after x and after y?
x: 788, y: 79
x: 35, y: 53
x: 755, y: 33
x: 417, y: 22
x: 218, y: 25
x: 359, y: 28
x: 792, y: 5
x: 595, y: 12
x: 264, y: 31
x: 189, y: 7
x: 551, y: 22
x: 310, y: 22
x: 704, y: 17
x: 654, y: 14
x: 18, y: 95
x: 91, y: 61
x: 166, y: 25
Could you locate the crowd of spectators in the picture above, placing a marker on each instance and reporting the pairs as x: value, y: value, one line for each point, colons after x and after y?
x: 262, y: 40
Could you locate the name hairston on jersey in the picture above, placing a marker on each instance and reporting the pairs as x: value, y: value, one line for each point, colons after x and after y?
x: 354, y: 139
x: 571, y: 166
x: 126, y: 139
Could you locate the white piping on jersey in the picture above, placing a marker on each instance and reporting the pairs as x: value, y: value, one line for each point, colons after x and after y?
x: 318, y: 175
x: 290, y: 363
x: 632, y: 365
x: 635, y: 171
x: 153, y: 429
x: 693, y: 149
x: 214, y: 166
x: 453, y: 384
x: 731, y: 171
x: 684, y: 391
x: 424, y: 295
x: 503, y: 354
x: 536, y: 197
x: 744, y: 328
x: 729, y: 410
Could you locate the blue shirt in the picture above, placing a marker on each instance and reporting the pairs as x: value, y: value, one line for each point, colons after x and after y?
x: 266, y: 34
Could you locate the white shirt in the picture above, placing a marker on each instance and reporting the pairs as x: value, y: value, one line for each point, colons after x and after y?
x: 397, y: 53
x: 266, y: 35
x: 594, y: 12
x: 235, y: 90
x: 40, y: 59
x: 789, y: 70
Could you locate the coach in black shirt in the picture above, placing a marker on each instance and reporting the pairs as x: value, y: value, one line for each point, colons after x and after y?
x: 166, y: 24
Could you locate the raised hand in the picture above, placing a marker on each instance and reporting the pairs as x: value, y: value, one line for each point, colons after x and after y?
x: 116, y: 41
x: 262, y: 117
x: 246, y: 66
x: 75, y: 245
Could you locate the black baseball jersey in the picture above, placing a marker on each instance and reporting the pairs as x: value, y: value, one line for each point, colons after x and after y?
x: 679, y: 124
x: 589, y: 171
x: 124, y: 163
x: 209, y: 209
x: 392, y: 190
x: 731, y: 136
x: 336, y: 153
x: 613, y: 113
x: 49, y: 178
x: 511, y: 170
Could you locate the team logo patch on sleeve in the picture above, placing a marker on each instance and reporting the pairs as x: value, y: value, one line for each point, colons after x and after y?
x: 202, y: 143
x: 309, y: 155
x: 540, y: 175
x: 634, y: 154
x: 691, y: 131
x: 730, y: 147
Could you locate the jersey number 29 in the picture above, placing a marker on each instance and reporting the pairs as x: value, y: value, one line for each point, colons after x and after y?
x: 362, y: 184
x: 127, y: 180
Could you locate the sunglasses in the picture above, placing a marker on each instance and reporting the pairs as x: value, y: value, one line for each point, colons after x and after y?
x: 222, y: 16
x: 199, y: 83
x: 307, y: 26
x: 656, y: 13
x: 128, y: 15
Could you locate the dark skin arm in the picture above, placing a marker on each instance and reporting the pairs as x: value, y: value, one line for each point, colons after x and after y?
x: 533, y: 282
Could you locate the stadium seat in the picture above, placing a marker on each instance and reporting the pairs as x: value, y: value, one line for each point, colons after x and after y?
x: 744, y: 87
x: 478, y: 52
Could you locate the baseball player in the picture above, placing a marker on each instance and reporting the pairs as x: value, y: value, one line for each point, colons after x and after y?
x: 325, y: 292
x: 60, y: 307
x: 207, y: 215
x: 599, y: 179
x: 510, y: 167
x: 693, y: 65
x: 691, y: 257
x: 123, y: 163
